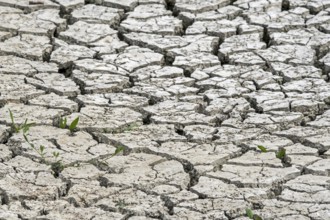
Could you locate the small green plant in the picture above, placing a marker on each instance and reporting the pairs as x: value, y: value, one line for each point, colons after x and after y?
x: 251, y: 215
x: 72, y: 126
x: 62, y: 123
x: 17, y: 128
x: 103, y: 162
x: 281, y: 153
x: 39, y: 150
x: 56, y: 165
x: 262, y: 148
x: 118, y: 150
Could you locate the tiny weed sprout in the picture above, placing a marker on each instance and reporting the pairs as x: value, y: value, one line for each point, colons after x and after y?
x: 250, y: 214
x: 262, y: 148
x: 42, y: 151
x: 118, y: 150
x: 26, y: 126
x: 74, y: 124
x: 13, y: 124
x: 281, y: 153
x: 56, y: 165
x: 39, y: 151
x: 56, y: 155
x: 256, y: 217
x: 62, y: 123
x: 17, y: 128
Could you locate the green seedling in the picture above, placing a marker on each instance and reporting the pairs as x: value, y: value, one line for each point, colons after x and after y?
x: 262, y: 148
x: 56, y: 166
x: 26, y: 126
x: 40, y: 150
x: 17, y: 128
x: 118, y: 150
x: 74, y: 124
x: 251, y: 215
x: 13, y: 124
x: 56, y: 155
x: 62, y: 123
x: 281, y: 154
x: 256, y: 217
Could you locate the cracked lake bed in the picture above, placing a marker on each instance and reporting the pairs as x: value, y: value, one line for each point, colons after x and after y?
x: 188, y: 109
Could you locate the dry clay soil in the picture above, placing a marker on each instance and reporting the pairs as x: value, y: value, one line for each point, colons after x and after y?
x: 189, y: 89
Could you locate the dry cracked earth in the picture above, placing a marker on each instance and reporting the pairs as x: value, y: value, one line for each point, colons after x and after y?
x: 189, y: 88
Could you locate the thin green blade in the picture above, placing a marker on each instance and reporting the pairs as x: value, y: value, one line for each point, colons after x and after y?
x: 249, y: 213
x: 74, y: 124
x: 281, y: 153
x: 262, y: 148
x: 118, y: 150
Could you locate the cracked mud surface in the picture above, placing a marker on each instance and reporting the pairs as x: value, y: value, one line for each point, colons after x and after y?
x: 188, y: 88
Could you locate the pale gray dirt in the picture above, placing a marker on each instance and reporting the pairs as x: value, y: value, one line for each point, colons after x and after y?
x: 189, y: 88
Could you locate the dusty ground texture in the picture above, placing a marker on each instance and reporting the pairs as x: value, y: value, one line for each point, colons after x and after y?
x: 189, y: 88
